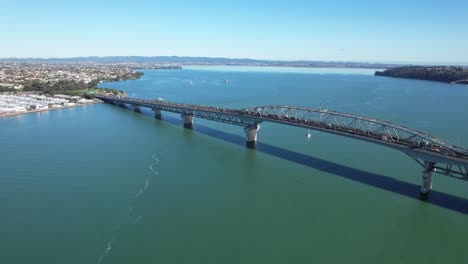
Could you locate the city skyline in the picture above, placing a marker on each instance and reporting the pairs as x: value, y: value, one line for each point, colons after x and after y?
x: 364, y: 31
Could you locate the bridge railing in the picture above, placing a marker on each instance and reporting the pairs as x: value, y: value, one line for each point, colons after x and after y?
x: 359, y: 125
x: 314, y: 118
x: 432, y: 153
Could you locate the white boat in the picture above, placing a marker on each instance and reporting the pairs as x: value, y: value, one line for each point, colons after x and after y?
x: 309, y: 135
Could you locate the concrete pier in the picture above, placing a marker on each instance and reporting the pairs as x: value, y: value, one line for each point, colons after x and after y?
x: 136, y: 108
x: 188, y: 120
x: 251, y: 135
x: 428, y: 151
x: 117, y: 104
x: 428, y: 172
x: 157, y: 113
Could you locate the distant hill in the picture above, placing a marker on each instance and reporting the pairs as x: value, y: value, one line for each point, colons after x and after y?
x: 199, y: 61
x: 447, y: 74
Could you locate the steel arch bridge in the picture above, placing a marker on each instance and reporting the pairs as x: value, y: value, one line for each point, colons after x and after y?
x: 432, y: 153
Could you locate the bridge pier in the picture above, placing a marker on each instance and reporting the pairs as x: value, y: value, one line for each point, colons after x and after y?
x: 188, y: 120
x: 423, y: 148
x: 136, y: 108
x: 251, y: 135
x: 117, y: 104
x: 157, y: 113
x: 428, y: 172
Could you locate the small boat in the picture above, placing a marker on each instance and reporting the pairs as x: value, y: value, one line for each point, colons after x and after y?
x: 226, y: 81
x: 309, y: 135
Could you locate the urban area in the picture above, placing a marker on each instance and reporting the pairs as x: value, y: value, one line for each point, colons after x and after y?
x: 30, y: 87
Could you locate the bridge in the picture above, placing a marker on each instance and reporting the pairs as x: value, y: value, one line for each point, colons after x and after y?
x: 433, y: 154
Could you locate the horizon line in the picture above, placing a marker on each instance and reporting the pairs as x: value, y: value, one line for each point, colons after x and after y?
x: 245, y: 58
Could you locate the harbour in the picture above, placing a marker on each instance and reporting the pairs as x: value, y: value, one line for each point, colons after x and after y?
x: 18, y: 104
x: 108, y: 183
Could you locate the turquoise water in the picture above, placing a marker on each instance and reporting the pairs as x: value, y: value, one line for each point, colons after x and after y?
x: 101, y: 184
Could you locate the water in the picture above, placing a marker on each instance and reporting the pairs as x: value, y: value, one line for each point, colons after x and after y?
x: 101, y: 184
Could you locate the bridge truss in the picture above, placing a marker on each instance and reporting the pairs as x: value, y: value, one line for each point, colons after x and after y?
x: 432, y: 153
x: 452, y: 160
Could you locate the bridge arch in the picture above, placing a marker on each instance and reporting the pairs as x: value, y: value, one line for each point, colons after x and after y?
x: 432, y: 153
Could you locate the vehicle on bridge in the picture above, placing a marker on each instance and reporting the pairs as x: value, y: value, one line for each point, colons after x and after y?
x: 433, y: 154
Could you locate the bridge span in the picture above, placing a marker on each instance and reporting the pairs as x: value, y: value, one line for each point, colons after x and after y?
x: 432, y: 153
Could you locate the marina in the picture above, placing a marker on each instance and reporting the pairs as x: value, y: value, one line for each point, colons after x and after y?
x: 15, y: 104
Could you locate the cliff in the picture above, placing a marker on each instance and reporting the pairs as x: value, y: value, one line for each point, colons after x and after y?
x: 447, y: 74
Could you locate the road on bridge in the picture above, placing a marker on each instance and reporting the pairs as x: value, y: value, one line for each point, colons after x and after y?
x: 433, y: 154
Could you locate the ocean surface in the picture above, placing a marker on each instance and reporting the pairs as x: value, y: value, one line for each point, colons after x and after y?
x: 102, y: 184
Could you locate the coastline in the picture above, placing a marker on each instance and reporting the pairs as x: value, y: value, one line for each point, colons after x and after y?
x: 443, y: 74
x: 48, y: 109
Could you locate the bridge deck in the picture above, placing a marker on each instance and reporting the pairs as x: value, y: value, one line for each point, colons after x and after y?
x: 420, y: 146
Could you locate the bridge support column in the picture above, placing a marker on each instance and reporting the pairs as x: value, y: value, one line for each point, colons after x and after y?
x: 428, y: 172
x: 117, y: 103
x: 136, y: 108
x: 251, y: 135
x: 157, y: 113
x: 188, y: 120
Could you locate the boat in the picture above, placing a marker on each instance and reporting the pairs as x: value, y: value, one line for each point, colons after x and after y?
x: 226, y: 81
x: 309, y: 135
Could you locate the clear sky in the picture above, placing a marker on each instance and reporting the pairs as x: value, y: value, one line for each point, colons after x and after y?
x: 385, y: 31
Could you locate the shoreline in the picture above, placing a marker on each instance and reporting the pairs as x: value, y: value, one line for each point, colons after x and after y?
x: 46, y: 110
x: 442, y: 74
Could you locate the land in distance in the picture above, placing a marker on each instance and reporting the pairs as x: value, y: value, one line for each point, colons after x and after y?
x: 174, y: 60
x: 446, y: 74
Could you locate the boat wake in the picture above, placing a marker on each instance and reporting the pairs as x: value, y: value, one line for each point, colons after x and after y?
x: 140, y: 192
x: 138, y: 219
x: 155, y: 162
x: 108, y: 248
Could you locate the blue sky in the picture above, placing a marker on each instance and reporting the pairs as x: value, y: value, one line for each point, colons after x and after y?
x: 384, y: 31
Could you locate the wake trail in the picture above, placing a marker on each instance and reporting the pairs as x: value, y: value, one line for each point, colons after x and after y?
x: 108, y: 248
x: 138, y: 219
x: 148, y: 179
x: 140, y: 192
